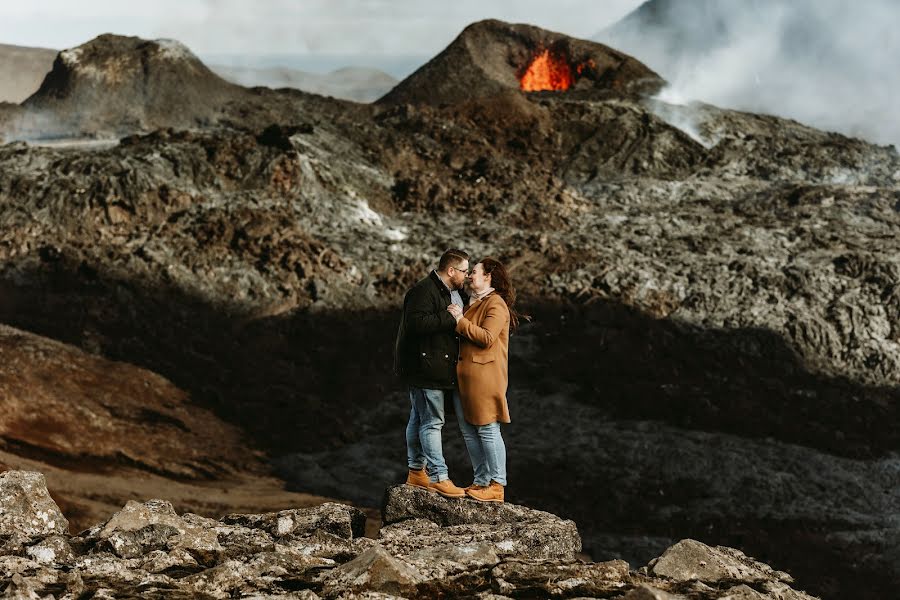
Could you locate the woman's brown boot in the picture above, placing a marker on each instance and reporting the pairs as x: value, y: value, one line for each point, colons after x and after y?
x: 492, y: 493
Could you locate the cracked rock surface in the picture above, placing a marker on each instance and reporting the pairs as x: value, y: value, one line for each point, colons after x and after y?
x: 147, y: 550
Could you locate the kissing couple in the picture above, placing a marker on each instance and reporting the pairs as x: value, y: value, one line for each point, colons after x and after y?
x: 453, y: 344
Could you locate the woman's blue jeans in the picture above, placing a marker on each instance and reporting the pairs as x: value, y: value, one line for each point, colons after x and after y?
x: 486, y: 448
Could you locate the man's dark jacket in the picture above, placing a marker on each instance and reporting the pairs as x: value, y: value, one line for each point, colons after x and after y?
x: 427, y: 345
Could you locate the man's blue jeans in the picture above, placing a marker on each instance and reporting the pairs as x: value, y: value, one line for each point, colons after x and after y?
x: 486, y: 448
x: 423, y: 433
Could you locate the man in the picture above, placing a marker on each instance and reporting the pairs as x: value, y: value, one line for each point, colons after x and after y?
x: 425, y: 357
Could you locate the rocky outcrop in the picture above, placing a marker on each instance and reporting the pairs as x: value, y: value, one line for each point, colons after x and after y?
x: 149, y: 549
x: 26, y: 508
x: 690, y: 560
x: 414, y: 520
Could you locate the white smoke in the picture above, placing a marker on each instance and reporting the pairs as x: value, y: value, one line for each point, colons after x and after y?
x: 831, y: 64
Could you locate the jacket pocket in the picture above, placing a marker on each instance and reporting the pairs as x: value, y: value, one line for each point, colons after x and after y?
x: 434, y: 366
x: 483, y: 358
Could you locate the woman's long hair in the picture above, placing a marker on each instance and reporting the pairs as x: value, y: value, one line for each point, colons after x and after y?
x: 503, y: 287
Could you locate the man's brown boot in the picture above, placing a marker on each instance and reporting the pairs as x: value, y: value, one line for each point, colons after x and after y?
x: 447, y: 489
x: 492, y: 493
x: 418, y: 479
x: 475, y: 486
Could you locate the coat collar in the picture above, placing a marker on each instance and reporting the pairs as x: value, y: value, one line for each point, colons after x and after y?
x: 474, y: 300
x: 443, y: 289
x: 482, y: 295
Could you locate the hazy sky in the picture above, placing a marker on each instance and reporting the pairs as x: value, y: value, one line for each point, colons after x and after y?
x: 266, y: 27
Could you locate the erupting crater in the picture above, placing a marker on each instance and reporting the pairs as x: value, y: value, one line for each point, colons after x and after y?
x: 551, y: 70
x: 492, y: 58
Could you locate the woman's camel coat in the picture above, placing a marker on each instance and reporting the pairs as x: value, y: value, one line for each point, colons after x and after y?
x: 482, y: 371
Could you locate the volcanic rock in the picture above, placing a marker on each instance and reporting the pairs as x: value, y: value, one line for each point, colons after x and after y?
x: 646, y: 592
x: 375, y: 570
x: 52, y: 550
x: 557, y: 579
x: 440, y: 569
x: 26, y: 508
x: 489, y: 57
x: 335, y: 519
x: 411, y: 513
x: 691, y: 560
x: 140, y: 528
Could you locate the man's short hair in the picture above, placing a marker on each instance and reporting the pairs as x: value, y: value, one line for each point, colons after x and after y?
x: 451, y: 258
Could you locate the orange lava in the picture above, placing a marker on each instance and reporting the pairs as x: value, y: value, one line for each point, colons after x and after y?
x: 547, y: 71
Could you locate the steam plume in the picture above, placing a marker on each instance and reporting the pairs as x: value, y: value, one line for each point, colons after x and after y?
x: 827, y: 63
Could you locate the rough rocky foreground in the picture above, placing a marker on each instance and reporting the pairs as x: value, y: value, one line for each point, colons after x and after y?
x: 429, y: 547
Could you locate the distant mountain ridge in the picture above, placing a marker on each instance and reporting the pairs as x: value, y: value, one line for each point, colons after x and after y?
x: 21, y: 71
x: 360, y: 84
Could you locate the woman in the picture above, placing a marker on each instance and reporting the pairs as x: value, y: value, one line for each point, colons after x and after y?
x: 482, y: 374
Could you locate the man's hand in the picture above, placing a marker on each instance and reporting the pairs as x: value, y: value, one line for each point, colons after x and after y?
x: 456, y: 311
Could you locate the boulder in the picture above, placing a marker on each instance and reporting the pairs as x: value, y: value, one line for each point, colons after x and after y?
x: 53, y: 550
x: 561, y: 578
x: 20, y: 589
x: 26, y: 507
x: 415, y: 519
x: 341, y: 520
x: 373, y: 570
x: 689, y: 559
x: 264, y: 572
x: 154, y: 525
